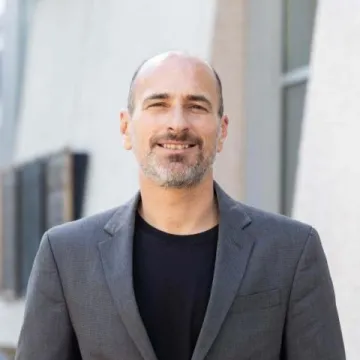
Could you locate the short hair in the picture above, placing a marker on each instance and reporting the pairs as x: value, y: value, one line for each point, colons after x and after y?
x: 130, y: 103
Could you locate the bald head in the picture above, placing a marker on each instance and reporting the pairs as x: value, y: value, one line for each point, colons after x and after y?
x: 180, y: 58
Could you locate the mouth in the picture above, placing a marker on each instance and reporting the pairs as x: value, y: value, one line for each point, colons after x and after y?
x: 178, y: 147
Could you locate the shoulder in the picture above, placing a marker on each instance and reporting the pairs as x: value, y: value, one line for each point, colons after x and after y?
x: 276, y: 228
x: 85, y: 231
x: 89, y: 231
x: 274, y: 220
x: 264, y: 227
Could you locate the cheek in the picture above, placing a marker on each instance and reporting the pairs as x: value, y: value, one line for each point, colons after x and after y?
x: 210, y: 136
x: 140, y: 137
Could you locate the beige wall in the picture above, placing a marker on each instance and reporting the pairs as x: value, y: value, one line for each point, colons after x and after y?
x: 328, y: 191
x: 228, y: 57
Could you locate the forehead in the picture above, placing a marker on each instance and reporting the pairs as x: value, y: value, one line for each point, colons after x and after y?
x: 177, y: 77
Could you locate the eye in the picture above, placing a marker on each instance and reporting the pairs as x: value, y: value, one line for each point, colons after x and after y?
x: 158, y: 104
x: 197, y: 107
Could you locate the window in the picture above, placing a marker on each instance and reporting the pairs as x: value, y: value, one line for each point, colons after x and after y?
x: 298, y: 25
x: 37, y: 195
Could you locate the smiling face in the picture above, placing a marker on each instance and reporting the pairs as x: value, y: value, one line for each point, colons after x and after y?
x: 174, y: 128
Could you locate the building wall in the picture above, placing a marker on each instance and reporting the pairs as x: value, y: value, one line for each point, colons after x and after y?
x: 11, y: 317
x: 328, y: 191
x: 80, y: 59
x: 262, y: 104
x: 228, y: 57
x: 13, y: 24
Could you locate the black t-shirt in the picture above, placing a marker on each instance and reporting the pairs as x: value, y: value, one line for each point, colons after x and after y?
x: 172, y: 282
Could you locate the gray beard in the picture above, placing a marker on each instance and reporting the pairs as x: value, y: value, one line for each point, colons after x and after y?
x: 167, y: 177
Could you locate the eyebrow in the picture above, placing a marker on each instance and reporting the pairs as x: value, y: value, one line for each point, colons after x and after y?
x: 157, y: 96
x: 166, y: 96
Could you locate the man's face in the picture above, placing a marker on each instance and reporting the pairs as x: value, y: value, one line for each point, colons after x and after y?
x: 175, y: 130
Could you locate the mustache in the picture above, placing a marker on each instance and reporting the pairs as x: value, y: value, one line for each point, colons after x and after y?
x: 181, y: 137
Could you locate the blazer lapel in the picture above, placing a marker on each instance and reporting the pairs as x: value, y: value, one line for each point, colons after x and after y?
x: 116, y: 257
x: 233, y: 252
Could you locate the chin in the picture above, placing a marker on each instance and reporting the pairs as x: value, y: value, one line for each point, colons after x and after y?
x: 179, y: 184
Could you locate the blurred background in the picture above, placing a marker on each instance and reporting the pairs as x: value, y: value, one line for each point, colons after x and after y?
x: 290, y: 72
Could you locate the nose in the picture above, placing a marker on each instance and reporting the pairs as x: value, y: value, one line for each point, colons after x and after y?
x: 178, y: 121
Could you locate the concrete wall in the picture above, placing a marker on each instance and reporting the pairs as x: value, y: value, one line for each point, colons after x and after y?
x: 328, y: 190
x: 81, y: 56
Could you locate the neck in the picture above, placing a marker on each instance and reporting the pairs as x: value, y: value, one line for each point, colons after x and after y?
x: 179, y: 211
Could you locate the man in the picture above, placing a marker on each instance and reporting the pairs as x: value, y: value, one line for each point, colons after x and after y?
x: 182, y: 271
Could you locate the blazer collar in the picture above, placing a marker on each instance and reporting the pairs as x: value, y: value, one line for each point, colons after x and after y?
x: 232, y: 213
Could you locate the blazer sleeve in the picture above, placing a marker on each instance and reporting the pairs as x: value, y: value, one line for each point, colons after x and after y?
x: 46, y: 332
x: 312, y: 330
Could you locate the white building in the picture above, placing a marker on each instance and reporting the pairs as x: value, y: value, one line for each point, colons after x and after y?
x: 292, y: 145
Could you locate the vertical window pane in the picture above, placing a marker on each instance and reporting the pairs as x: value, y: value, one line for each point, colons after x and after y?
x: 299, y: 18
x: 58, y: 189
x: 32, y: 211
x: 294, y: 97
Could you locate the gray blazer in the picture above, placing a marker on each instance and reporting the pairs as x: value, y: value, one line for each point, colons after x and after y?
x: 272, y: 295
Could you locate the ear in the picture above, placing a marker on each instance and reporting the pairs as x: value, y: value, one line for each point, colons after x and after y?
x: 125, y: 129
x: 223, y: 132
